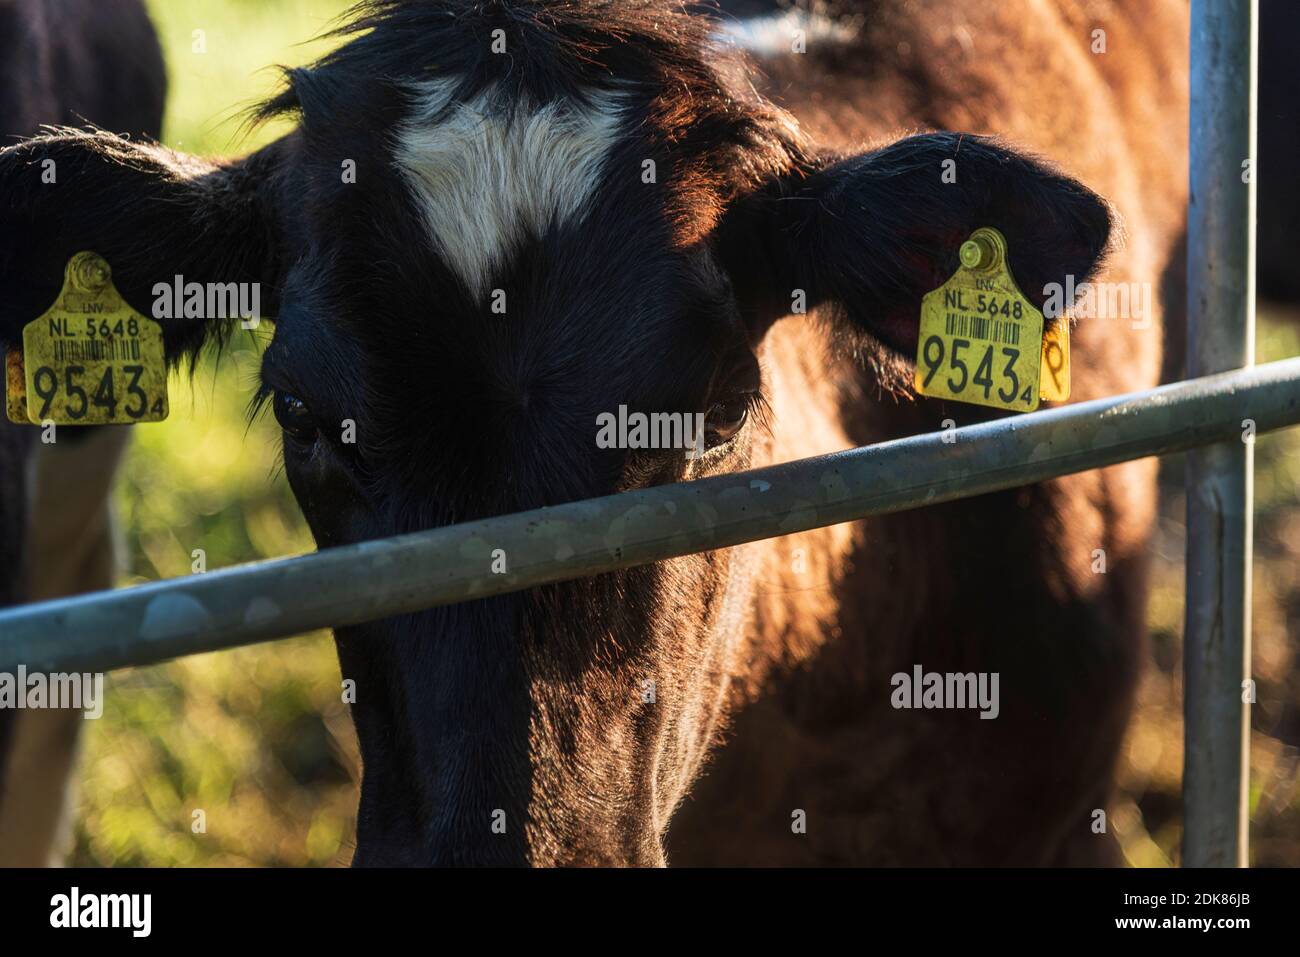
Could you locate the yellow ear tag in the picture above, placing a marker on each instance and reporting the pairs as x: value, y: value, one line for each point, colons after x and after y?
x: 90, y: 359
x: 981, y: 340
x: 16, y: 388
x: 1055, y: 383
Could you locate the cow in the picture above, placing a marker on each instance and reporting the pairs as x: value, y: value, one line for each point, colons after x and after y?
x: 61, y: 62
x: 496, y: 223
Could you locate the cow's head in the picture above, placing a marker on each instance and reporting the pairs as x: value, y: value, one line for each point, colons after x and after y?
x: 474, y: 244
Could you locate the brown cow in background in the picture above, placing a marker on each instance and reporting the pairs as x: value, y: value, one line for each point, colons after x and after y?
x: 1003, y: 582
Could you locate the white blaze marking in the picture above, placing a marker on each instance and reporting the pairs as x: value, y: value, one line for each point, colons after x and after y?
x: 487, y: 179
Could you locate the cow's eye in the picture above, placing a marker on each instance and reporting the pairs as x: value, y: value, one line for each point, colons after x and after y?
x: 725, y: 419
x: 294, y: 416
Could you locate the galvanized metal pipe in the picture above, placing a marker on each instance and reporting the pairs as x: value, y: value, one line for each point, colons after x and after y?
x: 1219, y: 478
x: 341, y: 586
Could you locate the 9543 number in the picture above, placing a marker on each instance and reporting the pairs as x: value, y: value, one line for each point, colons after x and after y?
x: 98, y: 401
x: 974, y: 366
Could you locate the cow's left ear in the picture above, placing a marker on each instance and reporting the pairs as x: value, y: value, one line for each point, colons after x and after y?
x: 872, y: 234
x: 153, y: 214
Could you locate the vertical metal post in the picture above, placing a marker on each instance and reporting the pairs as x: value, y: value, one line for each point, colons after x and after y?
x: 1220, y: 336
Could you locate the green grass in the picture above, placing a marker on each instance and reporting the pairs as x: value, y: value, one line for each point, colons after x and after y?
x: 258, y: 739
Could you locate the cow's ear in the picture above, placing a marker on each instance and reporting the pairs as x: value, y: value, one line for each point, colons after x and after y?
x: 153, y: 214
x: 872, y: 234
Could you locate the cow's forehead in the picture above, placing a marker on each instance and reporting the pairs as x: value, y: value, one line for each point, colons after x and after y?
x: 522, y: 173
x: 483, y: 152
x: 489, y: 174
x: 496, y: 240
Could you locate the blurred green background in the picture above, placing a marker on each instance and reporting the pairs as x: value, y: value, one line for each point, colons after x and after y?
x: 258, y: 738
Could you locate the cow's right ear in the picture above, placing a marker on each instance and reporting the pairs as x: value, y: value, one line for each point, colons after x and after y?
x: 870, y: 235
x: 153, y: 214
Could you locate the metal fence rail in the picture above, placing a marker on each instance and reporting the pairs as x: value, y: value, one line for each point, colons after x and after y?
x: 357, y: 583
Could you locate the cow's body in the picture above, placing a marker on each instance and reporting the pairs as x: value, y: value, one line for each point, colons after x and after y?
x: 611, y: 173
x: 61, y: 62
x: 1002, y: 583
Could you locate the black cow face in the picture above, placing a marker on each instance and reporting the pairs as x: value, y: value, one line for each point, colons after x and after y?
x: 470, y: 258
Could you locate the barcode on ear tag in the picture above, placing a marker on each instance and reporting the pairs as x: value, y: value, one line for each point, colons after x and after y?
x: 981, y: 340
x: 91, y: 359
